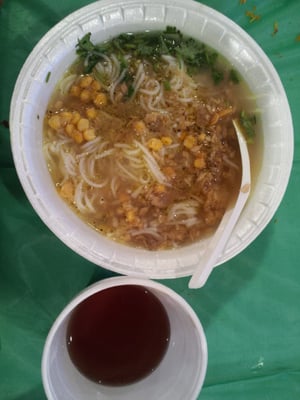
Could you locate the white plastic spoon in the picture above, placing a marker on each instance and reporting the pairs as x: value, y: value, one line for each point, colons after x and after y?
x: 223, y: 232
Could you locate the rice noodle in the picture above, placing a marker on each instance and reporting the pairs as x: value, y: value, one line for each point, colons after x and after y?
x: 105, y: 153
x: 230, y: 163
x: 188, y: 222
x: 109, y: 68
x: 138, y: 191
x: 70, y: 163
x: 152, y: 164
x: 151, y: 92
x: 90, y: 166
x: 185, y: 208
x: 127, y: 173
x: 115, y: 84
x: 66, y: 83
x: 81, y: 200
x: 90, y: 146
x: 146, y: 231
x: 114, y: 186
x: 139, y: 78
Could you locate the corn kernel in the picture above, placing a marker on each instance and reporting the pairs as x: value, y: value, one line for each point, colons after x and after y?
x: 67, y: 190
x: 66, y: 117
x: 89, y: 134
x: 140, y: 127
x: 167, y: 140
x: 169, y: 172
x: 130, y: 216
x: 91, y: 113
x: 100, y: 99
x: 199, y: 163
x: 77, y: 136
x: 189, y: 141
x: 160, y: 188
x: 201, y: 137
x: 85, y: 81
x: 75, y: 117
x: 69, y: 128
x: 155, y: 144
x: 83, y: 124
x: 85, y: 95
x: 54, y: 122
x: 75, y: 91
x: 96, y: 85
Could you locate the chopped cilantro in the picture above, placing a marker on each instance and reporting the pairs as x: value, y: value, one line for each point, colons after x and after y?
x: 248, y: 123
x: 217, y: 76
x: 130, y: 91
x: 233, y: 76
x: 48, y: 77
x: 91, y: 53
x: 167, y: 85
x: 151, y: 46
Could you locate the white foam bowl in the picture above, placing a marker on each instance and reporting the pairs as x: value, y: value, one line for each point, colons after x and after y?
x: 179, y: 376
x: 105, y: 19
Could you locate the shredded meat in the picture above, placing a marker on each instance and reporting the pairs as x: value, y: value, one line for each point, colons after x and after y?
x: 161, y: 197
x: 156, y: 121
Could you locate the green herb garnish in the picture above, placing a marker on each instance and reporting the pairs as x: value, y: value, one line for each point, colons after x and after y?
x: 130, y: 91
x: 167, y: 85
x: 48, y: 77
x: 233, y: 76
x: 90, y: 53
x: 151, y: 46
x: 217, y: 75
x: 248, y: 122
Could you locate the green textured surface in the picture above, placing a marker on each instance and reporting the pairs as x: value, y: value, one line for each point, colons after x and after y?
x: 250, y: 306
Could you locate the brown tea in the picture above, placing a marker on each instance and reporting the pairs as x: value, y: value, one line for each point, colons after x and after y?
x: 119, y: 335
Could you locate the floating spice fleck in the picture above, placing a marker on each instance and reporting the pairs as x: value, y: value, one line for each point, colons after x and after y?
x: 251, y: 14
x: 275, y: 28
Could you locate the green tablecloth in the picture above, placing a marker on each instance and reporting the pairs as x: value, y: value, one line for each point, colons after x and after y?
x: 250, y: 307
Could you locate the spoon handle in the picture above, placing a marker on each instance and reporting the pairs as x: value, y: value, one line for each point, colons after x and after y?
x: 228, y: 222
x: 217, y: 243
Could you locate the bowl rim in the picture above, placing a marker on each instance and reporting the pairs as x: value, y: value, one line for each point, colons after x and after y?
x: 167, y: 263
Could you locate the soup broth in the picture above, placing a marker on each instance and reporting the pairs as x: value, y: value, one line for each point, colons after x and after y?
x: 143, y: 147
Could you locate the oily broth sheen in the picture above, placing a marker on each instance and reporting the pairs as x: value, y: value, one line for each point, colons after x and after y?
x: 157, y: 169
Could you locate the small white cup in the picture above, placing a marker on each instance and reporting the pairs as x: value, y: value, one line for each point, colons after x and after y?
x: 179, y: 376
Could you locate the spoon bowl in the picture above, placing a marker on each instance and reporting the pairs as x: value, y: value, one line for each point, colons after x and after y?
x: 228, y: 222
